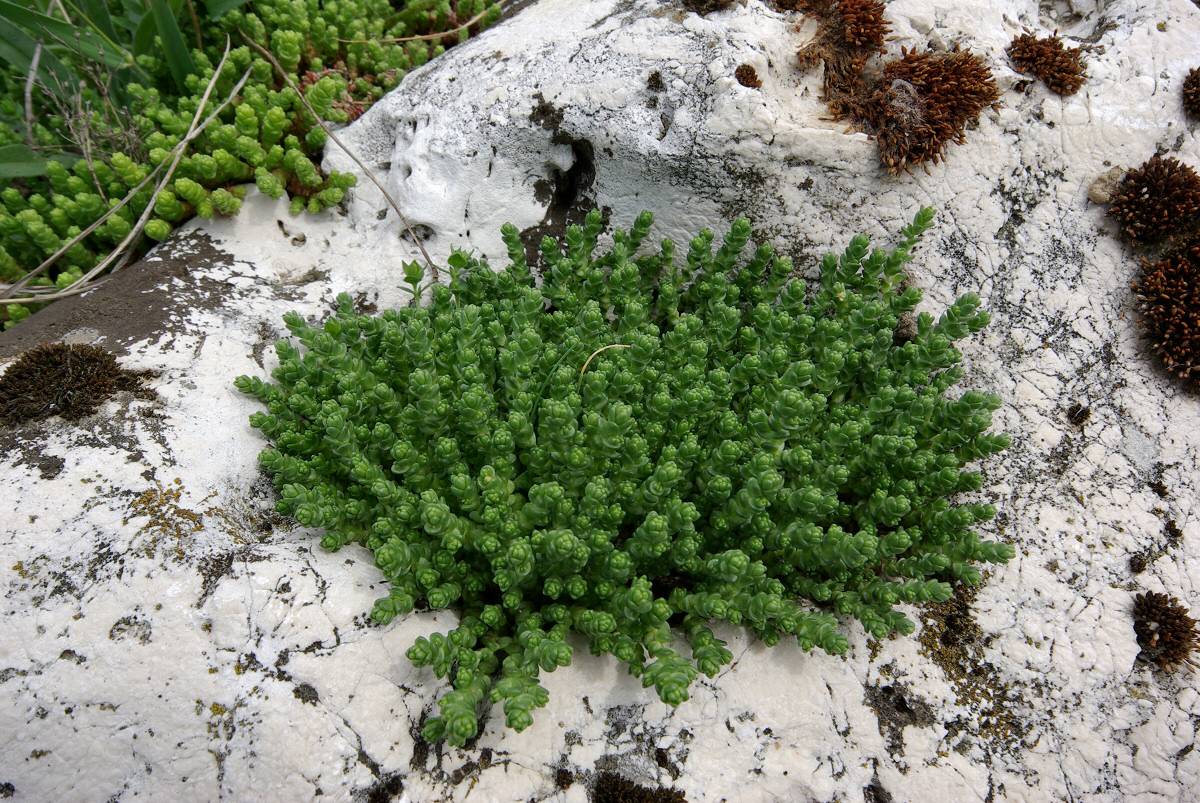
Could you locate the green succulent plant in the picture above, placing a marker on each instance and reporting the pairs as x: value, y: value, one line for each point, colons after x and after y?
x: 633, y: 447
x: 340, y: 54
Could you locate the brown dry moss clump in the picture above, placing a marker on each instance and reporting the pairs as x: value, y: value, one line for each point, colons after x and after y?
x: 1158, y: 198
x: 916, y: 104
x: 612, y: 788
x: 69, y: 381
x: 1169, y: 292
x: 1191, y: 92
x: 849, y: 33
x: 1058, y: 66
x: 1165, y: 632
x: 926, y: 100
x: 747, y: 76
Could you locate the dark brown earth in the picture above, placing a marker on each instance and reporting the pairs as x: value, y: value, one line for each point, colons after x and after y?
x: 145, y: 298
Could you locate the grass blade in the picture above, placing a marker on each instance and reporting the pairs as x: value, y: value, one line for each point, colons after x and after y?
x: 96, y: 13
x: 16, y: 48
x: 57, y: 30
x: 143, y: 36
x: 178, y: 58
x: 20, y: 161
x: 219, y: 8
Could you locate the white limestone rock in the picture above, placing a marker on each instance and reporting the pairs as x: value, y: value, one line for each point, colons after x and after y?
x: 176, y: 640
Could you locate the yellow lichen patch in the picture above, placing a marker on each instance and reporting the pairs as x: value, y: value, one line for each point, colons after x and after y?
x: 167, y: 518
x: 954, y: 642
x: 222, y: 724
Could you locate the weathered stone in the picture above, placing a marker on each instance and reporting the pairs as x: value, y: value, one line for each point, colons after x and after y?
x: 160, y: 636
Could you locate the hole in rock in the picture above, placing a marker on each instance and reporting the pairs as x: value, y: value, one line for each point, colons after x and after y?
x: 424, y: 233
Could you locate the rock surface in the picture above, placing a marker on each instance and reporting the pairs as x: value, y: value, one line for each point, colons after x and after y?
x: 166, y: 635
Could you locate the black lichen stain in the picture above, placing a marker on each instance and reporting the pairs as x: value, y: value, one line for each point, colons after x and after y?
x: 1078, y: 414
x: 1172, y: 538
x: 1156, y: 483
x: 896, y: 708
x: 131, y: 627
x: 305, y: 693
x: 387, y: 788
x: 567, y: 194
x: 69, y: 381
x: 875, y: 793
x: 703, y: 7
x: 545, y: 114
x: 613, y: 788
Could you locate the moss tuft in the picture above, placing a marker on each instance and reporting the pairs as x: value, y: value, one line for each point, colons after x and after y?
x: 915, y: 104
x: 1157, y: 199
x: 924, y: 101
x: 1169, y: 292
x: 747, y: 76
x: 1191, y: 92
x: 69, y: 381
x: 1058, y: 66
x: 1165, y: 632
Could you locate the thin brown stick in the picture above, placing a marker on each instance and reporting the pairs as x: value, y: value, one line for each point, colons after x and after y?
x: 82, y: 284
x: 195, y: 25
x: 370, y: 174
x: 425, y: 37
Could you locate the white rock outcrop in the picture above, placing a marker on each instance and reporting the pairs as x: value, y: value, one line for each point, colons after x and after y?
x: 165, y: 635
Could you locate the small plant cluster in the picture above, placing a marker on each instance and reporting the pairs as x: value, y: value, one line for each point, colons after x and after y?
x: 747, y: 76
x: 1166, y: 633
x: 1159, y: 199
x: 1169, y: 295
x: 633, y: 447
x: 849, y: 33
x: 914, y: 105
x: 69, y: 381
x: 924, y: 101
x: 1191, y: 92
x: 342, y: 56
x: 1048, y: 59
x: 1157, y: 206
